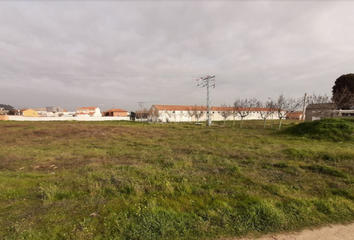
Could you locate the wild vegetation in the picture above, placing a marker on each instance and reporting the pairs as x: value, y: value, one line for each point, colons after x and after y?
x: 325, y: 129
x: 114, y: 180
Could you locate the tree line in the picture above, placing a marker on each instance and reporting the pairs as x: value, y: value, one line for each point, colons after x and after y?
x: 322, y: 105
x: 278, y: 108
x: 241, y: 108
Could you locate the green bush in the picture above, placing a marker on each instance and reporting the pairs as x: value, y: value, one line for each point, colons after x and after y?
x: 325, y: 129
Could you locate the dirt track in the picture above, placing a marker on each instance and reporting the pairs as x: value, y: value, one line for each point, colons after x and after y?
x: 333, y: 232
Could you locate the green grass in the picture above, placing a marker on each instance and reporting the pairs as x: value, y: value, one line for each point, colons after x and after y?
x: 338, y: 130
x: 122, y: 180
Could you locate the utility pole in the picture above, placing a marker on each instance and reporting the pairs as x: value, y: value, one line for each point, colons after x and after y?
x: 208, y: 81
x: 141, y: 104
x: 271, y: 109
x: 303, y: 108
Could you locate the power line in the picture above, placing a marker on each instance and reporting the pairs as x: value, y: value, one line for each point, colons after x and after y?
x: 141, y: 105
x: 208, y: 81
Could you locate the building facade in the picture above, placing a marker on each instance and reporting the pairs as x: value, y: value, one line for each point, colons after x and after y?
x: 116, y: 112
x: 88, y: 112
x: 28, y: 113
x: 180, y: 113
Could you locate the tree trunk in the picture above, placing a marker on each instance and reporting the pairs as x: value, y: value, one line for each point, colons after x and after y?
x: 241, y: 122
x: 280, y: 121
x: 264, y: 124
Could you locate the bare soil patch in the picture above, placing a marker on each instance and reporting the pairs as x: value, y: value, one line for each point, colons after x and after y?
x: 332, y: 232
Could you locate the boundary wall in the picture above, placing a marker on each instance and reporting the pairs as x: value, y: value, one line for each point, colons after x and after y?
x: 4, y: 117
x: 22, y: 118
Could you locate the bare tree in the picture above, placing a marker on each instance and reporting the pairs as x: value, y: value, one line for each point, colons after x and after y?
x: 197, y: 112
x: 154, y: 114
x: 174, y: 114
x: 168, y: 113
x: 286, y: 106
x: 225, y: 112
x: 270, y: 105
x: 142, y: 113
x: 263, y: 111
x: 190, y: 113
x: 345, y: 98
x: 244, y: 107
x: 234, y: 114
x: 181, y: 115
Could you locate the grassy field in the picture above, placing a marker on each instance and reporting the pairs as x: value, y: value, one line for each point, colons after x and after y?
x: 116, y: 180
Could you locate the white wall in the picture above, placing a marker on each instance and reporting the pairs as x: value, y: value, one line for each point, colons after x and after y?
x: 183, y: 116
x: 97, y: 113
x: 22, y: 118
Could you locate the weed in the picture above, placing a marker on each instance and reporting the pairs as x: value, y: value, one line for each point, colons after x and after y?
x: 122, y: 180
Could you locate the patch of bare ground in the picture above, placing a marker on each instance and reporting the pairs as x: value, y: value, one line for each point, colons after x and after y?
x: 332, y: 232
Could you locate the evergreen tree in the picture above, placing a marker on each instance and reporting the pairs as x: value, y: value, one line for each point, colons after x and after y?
x: 343, y: 91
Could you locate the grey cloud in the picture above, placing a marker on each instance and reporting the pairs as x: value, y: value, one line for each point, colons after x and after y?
x: 104, y: 53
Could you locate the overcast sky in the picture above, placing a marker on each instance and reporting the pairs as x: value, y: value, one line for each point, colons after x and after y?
x: 119, y: 53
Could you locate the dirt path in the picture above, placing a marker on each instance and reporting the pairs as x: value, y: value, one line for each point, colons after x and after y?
x: 333, y: 232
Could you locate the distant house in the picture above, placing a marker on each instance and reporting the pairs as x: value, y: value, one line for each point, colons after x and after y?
x: 297, y: 115
x: 132, y: 116
x: 42, y: 112
x: 68, y: 113
x: 319, y: 110
x: 116, y: 112
x: 140, y: 115
x: 3, y: 111
x: 15, y: 112
x: 325, y: 110
x: 28, y: 113
x: 88, y: 112
x: 55, y: 111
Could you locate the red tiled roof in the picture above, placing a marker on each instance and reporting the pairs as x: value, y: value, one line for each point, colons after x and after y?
x: 116, y: 110
x: 296, y: 114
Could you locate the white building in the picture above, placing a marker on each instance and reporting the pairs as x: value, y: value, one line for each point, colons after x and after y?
x: 88, y: 112
x: 179, y: 113
x: 50, y: 111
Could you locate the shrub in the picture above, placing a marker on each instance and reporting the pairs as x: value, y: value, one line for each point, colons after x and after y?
x: 325, y: 129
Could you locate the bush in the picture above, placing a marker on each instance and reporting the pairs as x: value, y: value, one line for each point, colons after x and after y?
x: 325, y: 129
